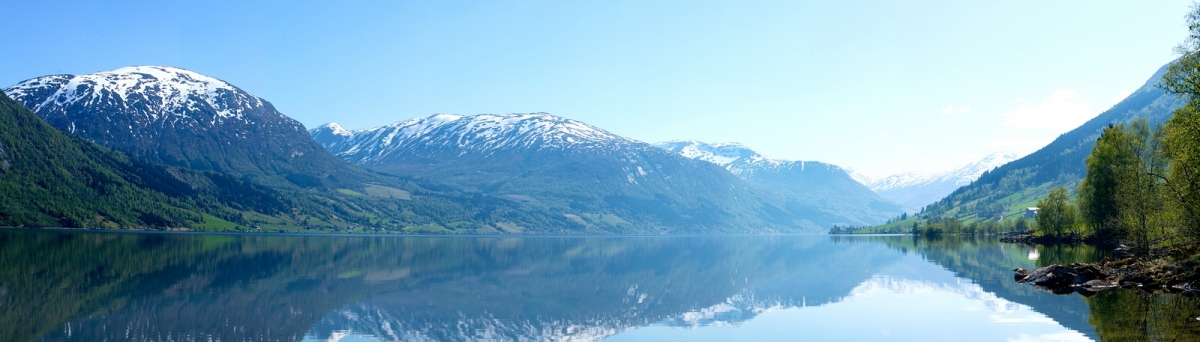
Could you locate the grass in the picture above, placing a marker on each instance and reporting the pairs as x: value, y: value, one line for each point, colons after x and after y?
x: 213, y: 223
x: 432, y: 228
x: 510, y: 228
x: 349, y: 192
x: 385, y: 192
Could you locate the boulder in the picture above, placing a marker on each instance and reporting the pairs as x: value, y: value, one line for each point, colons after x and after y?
x: 1053, y: 276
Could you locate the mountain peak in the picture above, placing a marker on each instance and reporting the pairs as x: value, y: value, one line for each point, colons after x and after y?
x: 169, y: 92
x: 723, y: 154
x: 178, y: 117
x: 333, y: 128
x: 469, y: 133
x: 811, y: 183
x: 915, y: 190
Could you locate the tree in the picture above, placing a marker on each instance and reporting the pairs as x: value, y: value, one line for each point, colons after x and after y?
x: 1056, y: 216
x: 1021, y: 225
x: 1183, y: 75
x: 1126, y: 189
x: 1182, y: 131
x: 1097, y: 191
x: 1182, y: 140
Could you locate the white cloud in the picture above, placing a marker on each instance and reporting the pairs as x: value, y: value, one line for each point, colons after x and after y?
x: 952, y: 110
x: 1063, y: 110
x: 883, y: 134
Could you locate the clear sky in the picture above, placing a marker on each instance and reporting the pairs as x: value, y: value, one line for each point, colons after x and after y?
x: 878, y: 86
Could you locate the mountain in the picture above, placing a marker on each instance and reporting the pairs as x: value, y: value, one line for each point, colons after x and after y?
x: 605, y: 182
x: 1021, y: 182
x: 824, y: 187
x: 211, y: 145
x: 51, y: 179
x: 915, y: 190
x: 182, y: 118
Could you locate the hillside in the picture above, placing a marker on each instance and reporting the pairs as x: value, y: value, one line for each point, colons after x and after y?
x: 52, y: 179
x: 822, y: 187
x: 1019, y: 183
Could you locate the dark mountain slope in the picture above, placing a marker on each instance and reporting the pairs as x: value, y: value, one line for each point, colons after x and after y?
x: 51, y: 179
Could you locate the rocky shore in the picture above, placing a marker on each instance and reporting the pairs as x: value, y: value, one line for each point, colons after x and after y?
x: 1155, y: 275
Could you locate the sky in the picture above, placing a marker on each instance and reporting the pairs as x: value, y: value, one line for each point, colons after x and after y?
x: 880, y: 87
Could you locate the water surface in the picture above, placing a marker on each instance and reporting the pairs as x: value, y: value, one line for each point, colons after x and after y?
x: 90, y: 286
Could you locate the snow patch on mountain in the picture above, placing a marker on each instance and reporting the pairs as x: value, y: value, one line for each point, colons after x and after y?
x: 474, y: 133
x: 167, y: 91
x: 959, y: 177
x: 737, y: 158
x: 915, y: 190
x: 334, y: 128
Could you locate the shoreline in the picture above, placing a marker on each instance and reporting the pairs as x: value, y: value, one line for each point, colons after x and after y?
x: 1171, y: 270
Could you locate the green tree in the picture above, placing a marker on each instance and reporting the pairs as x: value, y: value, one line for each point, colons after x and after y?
x: 1056, y: 216
x: 1182, y: 131
x: 1097, y: 192
x: 1182, y: 140
x: 1129, y: 177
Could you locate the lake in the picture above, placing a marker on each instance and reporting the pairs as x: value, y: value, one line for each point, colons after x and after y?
x: 93, y: 286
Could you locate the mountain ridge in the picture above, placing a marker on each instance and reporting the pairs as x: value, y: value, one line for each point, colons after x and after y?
x: 825, y: 187
x: 566, y: 164
x: 915, y: 190
x: 179, y: 117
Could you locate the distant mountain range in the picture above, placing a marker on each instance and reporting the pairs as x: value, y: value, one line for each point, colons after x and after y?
x: 824, y: 187
x: 1021, y: 182
x: 229, y: 161
x: 916, y: 190
x: 601, y: 180
x: 213, y: 156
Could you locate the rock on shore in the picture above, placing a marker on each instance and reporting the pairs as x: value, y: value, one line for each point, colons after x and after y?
x: 1087, y: 279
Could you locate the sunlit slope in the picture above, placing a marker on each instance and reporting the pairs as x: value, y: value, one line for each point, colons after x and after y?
x: 1020, y: 183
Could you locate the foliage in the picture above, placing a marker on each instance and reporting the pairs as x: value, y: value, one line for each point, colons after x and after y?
x: 1097, y: 191
x: 1056, y: 215
x: 1182, y: 140
x: 48, y: 178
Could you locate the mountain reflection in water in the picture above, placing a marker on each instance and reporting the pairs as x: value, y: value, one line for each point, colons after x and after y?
x: 85, y: 286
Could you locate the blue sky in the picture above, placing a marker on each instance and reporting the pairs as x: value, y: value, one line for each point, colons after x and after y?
x: 878, y: 86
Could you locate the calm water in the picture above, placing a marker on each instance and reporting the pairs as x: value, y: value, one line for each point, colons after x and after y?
x: 92, y: 286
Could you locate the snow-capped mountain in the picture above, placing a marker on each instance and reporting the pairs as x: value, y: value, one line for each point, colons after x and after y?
x: 483, y: 133
x: 175, y: 116
x: 915, y: 190
x: 607, y: 181
x: 824, y: 187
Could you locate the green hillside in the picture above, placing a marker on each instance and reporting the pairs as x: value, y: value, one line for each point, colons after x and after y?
x: 49, y: 178
x: 1018, y: 184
